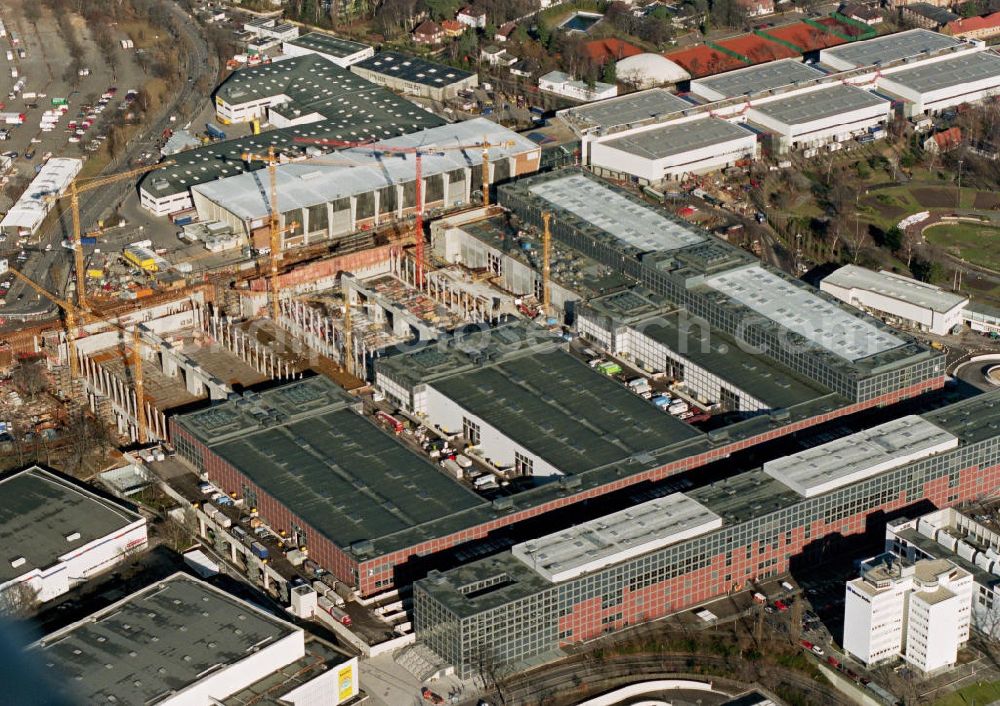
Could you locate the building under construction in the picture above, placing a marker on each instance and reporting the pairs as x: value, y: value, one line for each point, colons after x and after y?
x: 362, y: 188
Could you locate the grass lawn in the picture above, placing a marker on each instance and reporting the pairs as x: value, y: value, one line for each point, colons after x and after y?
x: 977, y: 694
x: 978, y: 244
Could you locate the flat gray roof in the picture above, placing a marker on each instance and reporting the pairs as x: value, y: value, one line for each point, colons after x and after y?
x: 412, y: 69
x: 827, y: 102
x: 304, y: 445
x: 679, y: 138
x: 759, y: 78
x: 635, y: 225
x: 569, y: 414
x: 962, y: 69
x: 858, y: 456
x: 352, y: 109
x: 713, y: 350
x: 889, y: 284
x: 627, y: 109
x: 845, y: 334
x: 891, y: 47
x: 617, y: 537
x: 157, y: 642
x: 327, y: 44
x: 39, y: 511
x: 309, y: 182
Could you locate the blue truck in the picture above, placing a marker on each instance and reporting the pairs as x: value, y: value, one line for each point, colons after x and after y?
x: 259, y: 550
x: 214, y: 132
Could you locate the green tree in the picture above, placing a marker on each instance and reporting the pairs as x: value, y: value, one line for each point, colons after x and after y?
x: 926, y: 270
x: 893, y: 239
x: 608, y: 72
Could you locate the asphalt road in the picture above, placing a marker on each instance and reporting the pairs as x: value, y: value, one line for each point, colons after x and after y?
x: 93, y: 205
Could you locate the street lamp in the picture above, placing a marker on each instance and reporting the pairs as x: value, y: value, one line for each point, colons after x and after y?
x: 959, y: 200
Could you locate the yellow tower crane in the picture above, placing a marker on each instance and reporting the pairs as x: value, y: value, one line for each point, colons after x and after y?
x: 546, y: 263
x: 69, y: 318
x: 271, y: 160
x: 82, y: 186
x: 72, y: 315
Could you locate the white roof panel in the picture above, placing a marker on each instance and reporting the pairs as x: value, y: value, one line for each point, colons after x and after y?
x: 617, y: 537
x: 798, y: 309
x: 53, y: 179
x: 642, y: 228
x: 858, y: 456
x: 889, y: 284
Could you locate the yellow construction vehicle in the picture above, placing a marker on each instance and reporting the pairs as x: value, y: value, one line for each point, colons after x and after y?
x: 81, y: 186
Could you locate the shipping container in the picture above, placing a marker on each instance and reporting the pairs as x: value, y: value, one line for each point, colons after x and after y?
x: 678, y: 407
x: 259, y: 550
x: 340, y: 615
x: 60, y: 101
x: 88, y: 240
x: 662, y: 401
x: 241, y: 535
x: 214, y: 132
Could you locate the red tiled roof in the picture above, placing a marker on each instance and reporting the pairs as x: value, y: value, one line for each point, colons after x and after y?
x: 972, y: 24
x: 948, y: 139
x: 600, y: 50
x: 701, y: 60
x: 428, y: 28
x: 451, y: 25
x: 507, y: 29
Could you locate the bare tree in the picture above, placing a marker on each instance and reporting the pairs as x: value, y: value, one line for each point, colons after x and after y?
x: 18, y: 600
x: 86, y: 436
x: 29, y: 377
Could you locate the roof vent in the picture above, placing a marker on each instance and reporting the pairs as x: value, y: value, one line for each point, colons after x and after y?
x: 72, y: 536
x: 19, y: 561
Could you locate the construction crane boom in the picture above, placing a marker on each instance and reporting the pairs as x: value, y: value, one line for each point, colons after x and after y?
x: 276, y: 231
x: 82, y: 186
x: 419, y: 153
x: 69, y: 314
x: 72, y: 315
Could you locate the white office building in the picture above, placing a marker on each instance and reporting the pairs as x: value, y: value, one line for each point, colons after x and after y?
x: 563, y: 84
x: 918, y: 611
x: 342, y: 52
x: 966, y: 542
x: 898, y: 299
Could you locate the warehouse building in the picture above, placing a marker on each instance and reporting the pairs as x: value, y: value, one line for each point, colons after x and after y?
x: 707, y: 364
x: 183, y: 641
x: 889, y: 48
x: 26, y: 215
x: 933, y: 86
x: 673, y: 151
x: 835, y: 346
x: 316, y: 98
x: 342, y: 52
x: 415, y: 76
x: 640, y: 564
x: 59, y: 533
x: 963, y: 540
x: 830, y: 113
x: 897, y: 299
x: 785, y: 73
x: 329, y: 201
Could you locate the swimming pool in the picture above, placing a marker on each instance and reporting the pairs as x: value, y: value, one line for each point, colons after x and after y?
x: 581, y: 21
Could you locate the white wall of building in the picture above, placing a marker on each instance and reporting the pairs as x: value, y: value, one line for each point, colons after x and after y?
x: 937, y: 627
x: 166, y: 204
x: 292, y: 50
x: 923, y: 317
x: 230, y: 679
x: 83, y: 563
x: 494, y: 445
x: 818, y: 132
x: 697, y: 161
x: 873, y: 624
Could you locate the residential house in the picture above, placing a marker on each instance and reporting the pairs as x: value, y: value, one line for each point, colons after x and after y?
x: 927, y: 16
x: 525, y: 68
x: 453, y: 28
x: 862, y: 13
x: 472, y: 17
x: 505, y: 32
x: 983, y: 27
x: 495, y: 56
x: 943, y: 141
x: 757, y: 8
x: 428, y: 32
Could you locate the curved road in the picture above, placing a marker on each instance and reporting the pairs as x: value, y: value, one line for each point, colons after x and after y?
x: 200, y: 61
